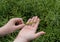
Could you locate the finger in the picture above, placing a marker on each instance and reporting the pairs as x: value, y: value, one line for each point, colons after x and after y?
x: 28, y: 21
x: 39, y: 34
x: 20, y: 26
x: 19, y: 20
x: 14, y: 20
x: 34, y: 20
x: 31, y: 22
x: 37, y: 23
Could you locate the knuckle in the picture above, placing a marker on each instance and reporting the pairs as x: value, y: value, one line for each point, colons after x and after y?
x: 13, y: 19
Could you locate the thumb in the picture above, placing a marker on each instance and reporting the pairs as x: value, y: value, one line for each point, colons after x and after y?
x: 39, y: 34
x: 20, y: 26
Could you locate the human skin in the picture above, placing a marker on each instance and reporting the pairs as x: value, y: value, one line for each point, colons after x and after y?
x: 29, y: 31
x: 12, y: 25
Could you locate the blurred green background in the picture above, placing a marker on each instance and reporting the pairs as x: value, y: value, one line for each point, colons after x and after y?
x: 47, y: 10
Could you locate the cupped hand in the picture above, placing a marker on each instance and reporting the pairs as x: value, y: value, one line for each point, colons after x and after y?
x: 12, y: 25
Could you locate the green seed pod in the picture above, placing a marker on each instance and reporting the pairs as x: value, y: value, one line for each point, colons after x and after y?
x: 30, y: 23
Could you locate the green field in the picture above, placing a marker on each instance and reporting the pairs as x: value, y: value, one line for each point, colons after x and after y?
x: 47, y: 10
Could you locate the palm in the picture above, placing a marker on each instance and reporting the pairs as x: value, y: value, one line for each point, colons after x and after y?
x: 28, y: 32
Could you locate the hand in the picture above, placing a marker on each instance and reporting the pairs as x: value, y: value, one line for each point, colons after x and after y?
x: 29, y: 31
x: 12, y: 25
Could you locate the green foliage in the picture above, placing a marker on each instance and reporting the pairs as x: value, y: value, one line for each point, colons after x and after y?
x: 47, y: 10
